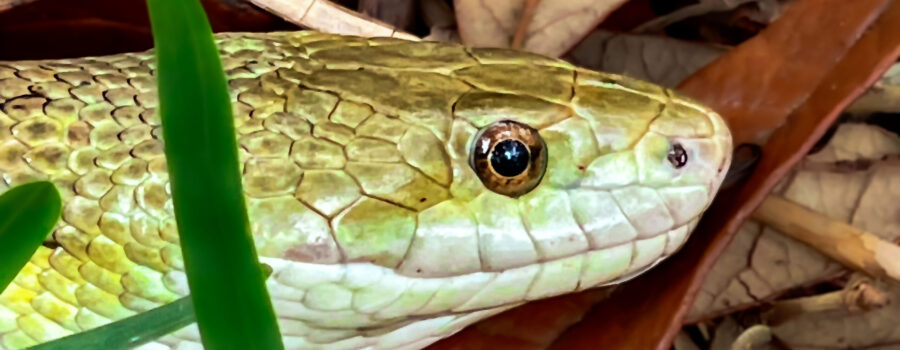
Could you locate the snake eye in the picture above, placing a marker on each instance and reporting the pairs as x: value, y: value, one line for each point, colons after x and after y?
x: 509, y: 157
x: 677, y: 156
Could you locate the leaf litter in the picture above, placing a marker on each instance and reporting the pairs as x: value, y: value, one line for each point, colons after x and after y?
x: 761, y: 265
x: 852, y: 179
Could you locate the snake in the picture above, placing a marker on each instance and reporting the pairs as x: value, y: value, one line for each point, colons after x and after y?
x: 399, y: 191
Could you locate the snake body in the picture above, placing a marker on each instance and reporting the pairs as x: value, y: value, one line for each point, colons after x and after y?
x: 362, y: 199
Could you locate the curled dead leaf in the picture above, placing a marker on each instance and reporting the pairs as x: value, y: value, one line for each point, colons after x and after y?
x: 554, y: 28
x: 8, y: 4
x: 661, y: 60
x: 328, y: 17
x: 761, y: 263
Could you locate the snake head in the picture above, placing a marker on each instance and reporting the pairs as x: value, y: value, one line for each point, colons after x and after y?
x: 609, y: 181
x: 399, y: 191
x: 437, y: 189
x: 640, y: 164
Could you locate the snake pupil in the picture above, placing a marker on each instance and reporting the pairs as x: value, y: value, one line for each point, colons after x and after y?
x: 510, y: 158
x: 677, y: 156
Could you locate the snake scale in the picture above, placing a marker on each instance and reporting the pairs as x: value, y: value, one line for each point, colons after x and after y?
x: 399, y: 190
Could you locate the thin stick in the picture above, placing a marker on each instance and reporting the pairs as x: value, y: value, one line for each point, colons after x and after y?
x: 860, y: 295
x: 524, y: 22
x: 855, y: 248
x: 753, y: 338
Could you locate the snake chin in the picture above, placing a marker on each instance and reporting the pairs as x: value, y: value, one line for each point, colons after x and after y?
x: 366, y: 306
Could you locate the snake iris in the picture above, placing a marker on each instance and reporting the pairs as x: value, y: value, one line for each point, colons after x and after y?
x: 384, y: 222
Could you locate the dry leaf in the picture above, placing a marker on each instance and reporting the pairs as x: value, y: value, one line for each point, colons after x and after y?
x: 328, y: 17
x: 8, y: 4
x: 701, y: 8
x: 661, y: 60
x: 761, y: 263
x: 398, y: 13
x: 857, y: 141
x: 441, y: 20
x: 555, y: 28
x: 764, y: 11
x: 533, y: 326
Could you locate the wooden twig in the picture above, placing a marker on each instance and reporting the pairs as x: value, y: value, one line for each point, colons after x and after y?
x: 524, y: 22
x: 883, y: 96
x: 855, y: 248
x: 325, y: 16
x: 859, y: 295
x: 753, y: 338
x: 883, y: 99
x: 849, y: 166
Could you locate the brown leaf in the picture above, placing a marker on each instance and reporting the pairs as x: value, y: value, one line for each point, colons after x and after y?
x: 856, y: 142
x: 555, y: 27
x: 329, y: 17
x: 761, y: 11
x: 628, y: 16
x: 533, y: 326
x: 759, y: 264
x: 8, y: 4
x: 772, y: 74
x: 844, y: 60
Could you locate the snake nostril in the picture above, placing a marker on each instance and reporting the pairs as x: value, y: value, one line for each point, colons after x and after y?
x: 677, y: 156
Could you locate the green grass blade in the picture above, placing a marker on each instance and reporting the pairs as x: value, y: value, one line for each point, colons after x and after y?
x: 27, y: 215
x: 227, y: 286
x: 134, y: 331
x: 130, y: 332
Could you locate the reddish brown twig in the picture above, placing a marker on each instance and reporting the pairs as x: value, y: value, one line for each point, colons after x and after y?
x: 524, y: 22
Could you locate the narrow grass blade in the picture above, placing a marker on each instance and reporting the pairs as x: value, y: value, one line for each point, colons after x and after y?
x: 134, y: 331
x: 130, y: 332
x: 227, y: 286
x: 27, y: 214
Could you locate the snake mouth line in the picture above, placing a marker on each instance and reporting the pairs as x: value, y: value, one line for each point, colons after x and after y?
x: 595, y: 267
